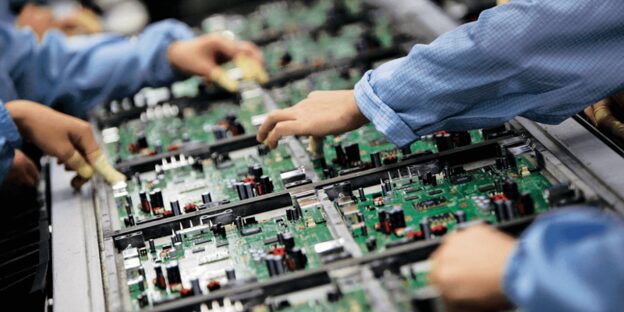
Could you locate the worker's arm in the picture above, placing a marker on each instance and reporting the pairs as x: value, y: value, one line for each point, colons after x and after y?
x: 569, y: 260
x: 10, y: 140
x: 85, y: 71
x: 544, y: 60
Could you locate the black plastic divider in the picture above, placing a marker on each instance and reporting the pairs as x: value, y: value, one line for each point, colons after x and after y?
x: 398, y: 256
x: 281, y: 199
x: 145, y: 164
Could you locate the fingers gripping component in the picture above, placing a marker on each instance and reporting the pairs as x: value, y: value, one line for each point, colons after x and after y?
x: 104, y: 168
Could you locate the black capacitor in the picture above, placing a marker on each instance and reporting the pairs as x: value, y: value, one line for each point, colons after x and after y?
x: 353, y: 153
x: 425, y: 228
x: 173, y: 274
x: 263, y: 150
x: 406, y: 150
x: 220, y: 133
x: 269, y: 260
x: 152, y: 245
x: 360, y: 217
x: 128, y: 205
x: 361, y: 194
x: 249, y: 190
x: 364, y: 230
x: 460, y: 216
x: 206, y: 198
x: 156, y: 199
x: 510, y: 210
x: 341, y: 157
x: 158, y: 148
x: 239, y: 223
x: 526, y: 206
x: 397, y: 218
x: 218, y: 230
x: 500, y: 210
x: 186, y: 137
x: 195, y: 287
x: 230, y: 274
x: 443, y: 141
x: 290, y: 214
x: 143, y: 300
x: 240, y: 189
x: 376, y: 159
x: 371, y: 243
x: 461, y: 138
x: 141, y: 141
x: 382, y: 215
x: 160, y: 278
x: 175, y: 207
x: 280, y: 238
x: 279, y: 265
x: 299, y: 258
x: 256, y: 171
x: 145, y: 203
x: 510, y: 189
x: 267, y: 184
x: 288, y: 240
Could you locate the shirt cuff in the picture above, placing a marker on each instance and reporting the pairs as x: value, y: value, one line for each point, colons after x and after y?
x: 10, y: 139
x: 386, y: 120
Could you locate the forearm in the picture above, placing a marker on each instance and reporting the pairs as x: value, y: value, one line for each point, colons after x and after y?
x: 9, y: 140
x: 84, y: 72
x: 568, y: 261
x: 544, y: 60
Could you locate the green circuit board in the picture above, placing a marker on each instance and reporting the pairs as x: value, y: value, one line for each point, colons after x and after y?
x: 186, y: 181
x: 202, y: 253
x: 299, y: 51
x: 353, y: 301
x: 279, y: 18
x: 166, y: 127
x: 469, y: 192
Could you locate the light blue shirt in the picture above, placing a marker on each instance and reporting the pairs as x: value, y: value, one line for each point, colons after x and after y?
x: 79, y: 73
x: 545, y: 60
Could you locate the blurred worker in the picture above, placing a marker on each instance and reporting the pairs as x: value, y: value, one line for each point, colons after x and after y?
x: 544, y: 60
x: 85, y: 72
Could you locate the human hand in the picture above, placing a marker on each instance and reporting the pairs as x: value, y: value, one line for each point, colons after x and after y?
x: 468, y: 268
x: 23, y: 172
x: 202, y: 55
x: 321, y: 114
x: 67, y: 138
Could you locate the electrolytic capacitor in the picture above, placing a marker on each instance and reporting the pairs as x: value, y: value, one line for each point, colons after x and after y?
x: 270, y: 263
x: 361, y: 194
x: 249, y: 190
x: 500, y: 210
x: 353, y: 153
x: 145, y: 203
x: 425, y: 227
x: 152, y: 245
x: 175, y: 207
x: 526, y: 205
x: 460, y: 216
x: 397, y: 218
x: 406, y: 150
x: 141, y: 141
x: 195, y: 287
x: 376, y: 159
x: 256, y: 171
x: 173, y: 274
x: 156, y: 199
x: 279, y: 265
x: 510, y: 189
x: 288, y: 240
x: 128, y: 205
x: 299, y: 258
x: 443, y: 141
x: 371, y: 243
x: 160, y: 281
x: 510, y: 210
x: 206, y: 198
x: 240, y: 189
x: 230, y: 274
x: 341, y: 157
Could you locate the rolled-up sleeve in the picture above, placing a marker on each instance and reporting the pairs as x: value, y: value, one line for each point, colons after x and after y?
x: 544, y: 60
x: 85, y: 71
x: 10, y: 139
x: 569, y: 261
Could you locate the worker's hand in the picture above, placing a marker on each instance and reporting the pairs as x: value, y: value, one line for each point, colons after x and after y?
x: 321, y: 114
x: 468, y: 268
x: 200, y: 56
x: 67, y: 138
x: 23, y: 172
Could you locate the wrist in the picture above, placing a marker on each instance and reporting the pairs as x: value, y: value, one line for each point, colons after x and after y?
x: 16, y: 110
x: 358, y: 117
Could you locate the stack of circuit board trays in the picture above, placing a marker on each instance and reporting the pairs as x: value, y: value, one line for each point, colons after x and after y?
x: 210, y: 220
